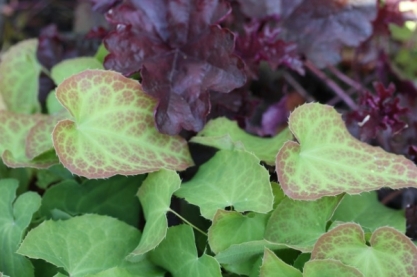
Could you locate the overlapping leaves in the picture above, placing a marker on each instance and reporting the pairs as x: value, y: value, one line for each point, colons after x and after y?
x: 113, y: 129
x: 180, y: 54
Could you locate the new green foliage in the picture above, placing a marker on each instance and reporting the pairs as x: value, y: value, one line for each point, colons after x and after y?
x: 15, y: 217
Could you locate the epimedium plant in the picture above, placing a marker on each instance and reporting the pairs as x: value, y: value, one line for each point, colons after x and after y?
x: 106, y: 151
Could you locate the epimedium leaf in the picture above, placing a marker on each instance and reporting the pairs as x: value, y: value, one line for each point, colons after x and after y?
x: 240, y: 258
x: 14, y: 132
x: 299, y: 224
x: 180, y: 53
x: 15, y: 217
x: 19, y: 74
x: 155, y: 197
x: 113, y: 197
x: 143, y: 268
x: 265, y: 149
x: 390, y: 253
x: 320, y: 28
x: 113, y: 129
x: 326, y: 160
x: 177, y: 253
x: 230, y: 178
x: 52, y: 104
x: 274, y: 266
x: 366, y: 210
x: 246, y: 228
x: 81, y: 245
x: 329, y: 268
x: 69, y: 67
x: 39, y: 140
x: 54, y: 174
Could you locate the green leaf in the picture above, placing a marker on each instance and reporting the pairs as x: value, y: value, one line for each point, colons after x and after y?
x: 327, y: 160
x: 274, y: 266
x: 230, y: 178
x: 54, y: 174
x: 19, y: 74
x: 69, y: 67
x: 390, y: 253
x: 101, y: 53
x: 366, y: 210
x: 81, y: 245
x: 178, y: 254
x: 142, y: 268
x: 265, y: 149
x: 15, y: 216
x: 330, y: 268
x: 247, y: 228
x: 113, y: 197
x: 299, y: 224
x: 240, y: 258
x: 52, y: 104
x: 155, y: 197
x: 15, y: 129
x: 113, y: 130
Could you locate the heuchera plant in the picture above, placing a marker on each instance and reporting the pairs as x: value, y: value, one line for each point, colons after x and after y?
x: 139, y: 162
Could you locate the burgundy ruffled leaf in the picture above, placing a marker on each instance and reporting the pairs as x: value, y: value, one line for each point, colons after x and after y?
x: 260, y: 42
x: 320, y: 28
x: 182, y: 56
x: 380, y: 112
x: 388, y: 13
x: 260, y: 8
x: 103, y: 6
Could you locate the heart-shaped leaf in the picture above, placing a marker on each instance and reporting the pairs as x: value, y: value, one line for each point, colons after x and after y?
x: 265, y: 149
x: 81, y: 245
x: 19, y: 74
x: 155, y: 197
x: 15, y: 216
x: 14, y: 130
x: 390, y: 253
x: 113, y: 130
x: 274, y: 266
x: 320, y: 268
x: 327, y: 160
x: 247, y: 227
x: 177, y: 253
x: 291, y: 219
x: 230, y: 178
x: 371, y: 214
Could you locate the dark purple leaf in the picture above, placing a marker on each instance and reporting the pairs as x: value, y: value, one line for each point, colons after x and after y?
x: 260, y: 9
x: 103, y: 6
x: 380, y: 112
x: 388, y: 13
x: 180, y: 53
x: 411, y: 219
x: 260, y: 42
x: 320, y: 28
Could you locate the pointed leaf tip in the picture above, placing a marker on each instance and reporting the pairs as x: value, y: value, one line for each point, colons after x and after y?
x: 326, y: 160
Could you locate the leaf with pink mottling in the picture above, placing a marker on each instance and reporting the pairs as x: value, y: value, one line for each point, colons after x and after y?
x: 19, y: 74
x: 320, y: 268
x: 326, y: 160
x: 39, y: 139
x: 387, y: 253
x: 113, y: 130
x: 14, y: 129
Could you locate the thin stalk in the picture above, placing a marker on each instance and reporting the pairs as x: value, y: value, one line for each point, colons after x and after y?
x: 189, y: 223
x: 331, y: 84
x: 298, y: 88
x: 344, y: 78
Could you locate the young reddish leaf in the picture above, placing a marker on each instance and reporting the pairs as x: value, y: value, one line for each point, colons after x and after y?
x: 14, y: 129
x: 181, y: 55
x: 390, y: 253
x: 322, y: 27
x: 113, y: 129
x: 19, y: 74
x: 327, y: 160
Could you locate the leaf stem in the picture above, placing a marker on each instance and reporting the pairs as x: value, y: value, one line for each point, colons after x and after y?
x: 189, y: 223
x: 331, y: 84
